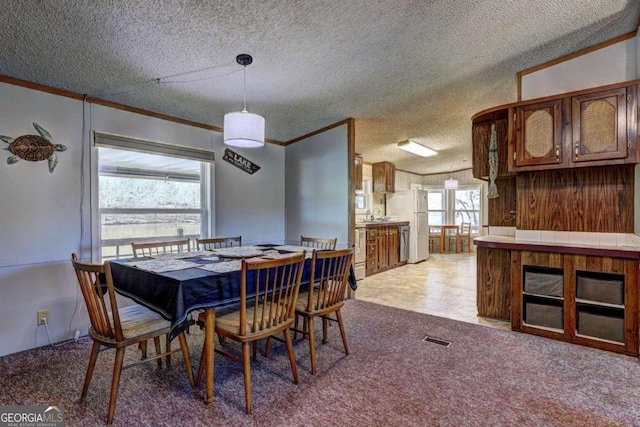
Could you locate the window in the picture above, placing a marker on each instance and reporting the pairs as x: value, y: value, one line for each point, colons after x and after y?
x: 454, y: 207
x: 436, y: 206
x: 148, y: 197
x: 467, y: 207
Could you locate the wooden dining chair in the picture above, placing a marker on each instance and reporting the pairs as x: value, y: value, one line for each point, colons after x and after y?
x: 268, y: 295
x: 114, y: 328
x: 218, y: 243
x: 160, y: 248
x: 329, y: 275
x: 464, y: 237
x: 434, y: 238
x: 451, y: 238
x: 318, y: 243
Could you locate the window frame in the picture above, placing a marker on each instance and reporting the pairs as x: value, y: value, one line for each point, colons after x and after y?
x: 207, y: 173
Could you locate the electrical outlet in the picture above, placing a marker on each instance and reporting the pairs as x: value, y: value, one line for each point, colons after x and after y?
x: 43, y: 316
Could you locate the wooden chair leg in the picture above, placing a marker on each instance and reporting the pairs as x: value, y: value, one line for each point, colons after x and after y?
x: 156, y: 341
x: 325, y: 324
x: 92, y: 363
x: 200, y: 368
x: 255, y: 350
x: 312, y: 347
x: 292, y: 356
x: 187, y: 358
x: 342, y: 332
x: 295, y: 333
x: 143, y: 349
x: 115, y: 383
x: 246, y: 367
x: 267, y: 347
x: 168, y: 349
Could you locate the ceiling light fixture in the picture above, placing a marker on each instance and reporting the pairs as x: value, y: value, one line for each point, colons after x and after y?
x: 242, y: 128
x: 451, y: 184
x: 415, y: 148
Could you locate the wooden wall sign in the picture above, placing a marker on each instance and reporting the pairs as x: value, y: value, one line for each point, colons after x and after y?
x: 240, y: 162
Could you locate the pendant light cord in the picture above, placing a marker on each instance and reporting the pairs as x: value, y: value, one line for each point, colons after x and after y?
x: 244, y: 89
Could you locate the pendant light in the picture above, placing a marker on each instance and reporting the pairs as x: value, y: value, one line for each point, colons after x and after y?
x: 451, y: 184
x: 242, y: 128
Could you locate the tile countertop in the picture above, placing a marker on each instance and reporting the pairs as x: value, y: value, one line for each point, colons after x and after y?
x: 380, y: 224
x: 511, y: 242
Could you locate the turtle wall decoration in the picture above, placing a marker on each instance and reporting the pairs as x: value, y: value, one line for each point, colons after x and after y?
x: 33, y: 147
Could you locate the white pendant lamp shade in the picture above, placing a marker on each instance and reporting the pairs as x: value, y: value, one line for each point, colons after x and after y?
x: 451, y: 184
x: 244, y: 129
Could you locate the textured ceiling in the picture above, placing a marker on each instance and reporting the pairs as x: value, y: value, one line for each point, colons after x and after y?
x: 404, y: 69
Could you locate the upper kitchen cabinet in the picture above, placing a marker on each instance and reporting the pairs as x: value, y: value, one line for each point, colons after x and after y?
x: 384, y: 177
x: 357, y: 172
x: 482, y: 125
x: 596, y: 127
x: 600, y: 125
x: 539, y: 134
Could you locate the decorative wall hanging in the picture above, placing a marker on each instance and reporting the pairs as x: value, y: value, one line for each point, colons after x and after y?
x: 33, y: 148
x: 240, y: 162
x: 493, y: 164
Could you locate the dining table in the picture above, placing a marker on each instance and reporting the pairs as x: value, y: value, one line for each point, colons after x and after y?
x: 444, y: 228
x: 175, y: 285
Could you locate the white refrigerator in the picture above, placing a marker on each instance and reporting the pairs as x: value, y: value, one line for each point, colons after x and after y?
x: 411, y: 205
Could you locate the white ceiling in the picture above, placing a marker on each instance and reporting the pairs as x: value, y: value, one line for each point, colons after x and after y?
x: 404, y: 69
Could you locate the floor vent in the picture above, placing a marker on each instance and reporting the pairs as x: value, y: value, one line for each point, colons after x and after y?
x: 437, y: 341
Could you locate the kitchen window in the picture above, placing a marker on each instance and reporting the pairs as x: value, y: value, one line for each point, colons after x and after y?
x: 454, y: 207
x: 144, y: 196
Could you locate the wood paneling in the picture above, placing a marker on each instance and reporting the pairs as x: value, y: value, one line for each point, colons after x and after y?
x: 494, y: 283
x: 598, y: 199
x: 500, y: 208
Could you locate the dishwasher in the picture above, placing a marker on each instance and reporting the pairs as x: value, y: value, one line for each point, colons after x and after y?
x: 404, y: 243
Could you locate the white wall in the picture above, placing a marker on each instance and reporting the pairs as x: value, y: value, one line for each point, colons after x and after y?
x: 611, y: 64
x: 317, y: 186
x: 251, y: 205
x: 41, y: 221
x: 41, y: 212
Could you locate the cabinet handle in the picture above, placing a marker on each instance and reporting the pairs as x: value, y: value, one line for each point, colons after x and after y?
x: 576, y: 150
x: 557, y: 152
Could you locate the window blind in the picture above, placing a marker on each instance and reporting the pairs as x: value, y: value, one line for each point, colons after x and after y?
x: 110, y: 140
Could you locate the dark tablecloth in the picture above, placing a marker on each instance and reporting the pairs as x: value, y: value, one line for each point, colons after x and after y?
x: 175, y: 294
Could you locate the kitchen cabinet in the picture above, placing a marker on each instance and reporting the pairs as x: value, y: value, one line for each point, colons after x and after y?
x: 357, y: 173
x: 494, y: 283
x: 384, y: 177
x: 539, y: 134
x: 393, y: 239
x: 383, y: 247
x: 372, y: 251
x: 481, y: 141
x: 587, y: 128
x: 584, y: 299
x: 600, y: 125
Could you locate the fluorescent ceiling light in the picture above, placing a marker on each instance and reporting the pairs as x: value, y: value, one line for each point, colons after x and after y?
x: 415, y: 148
